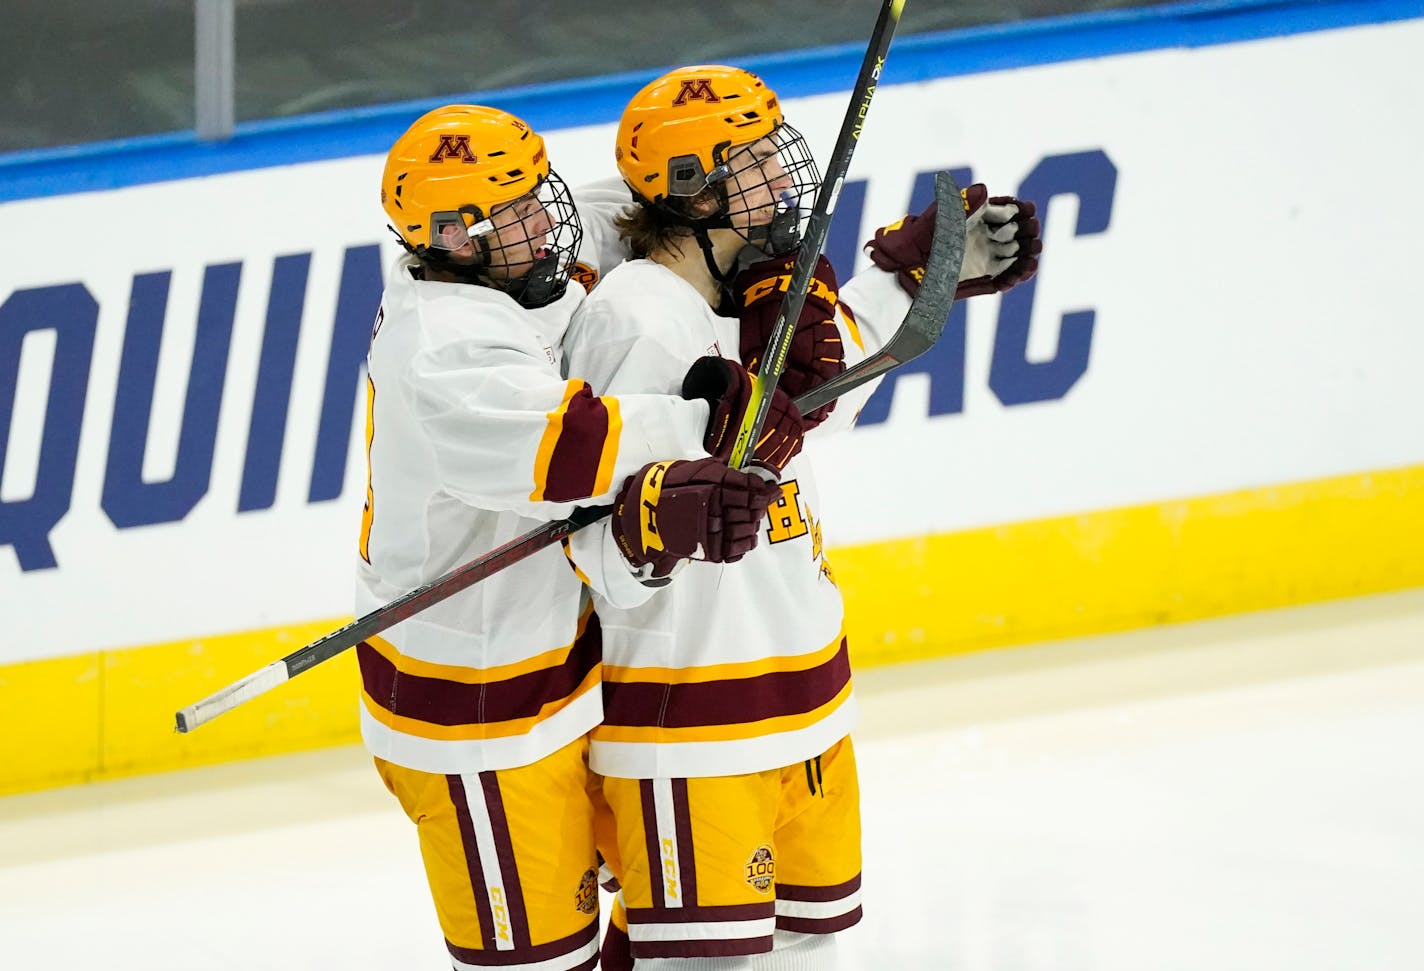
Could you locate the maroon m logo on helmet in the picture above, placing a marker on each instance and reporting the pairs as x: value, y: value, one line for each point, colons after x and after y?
x: 453, y: 146
x: 696, y: 89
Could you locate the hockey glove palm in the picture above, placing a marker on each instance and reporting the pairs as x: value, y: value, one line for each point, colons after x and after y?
x: 1001, y: 244
x: 816, y: 353
x: 727, y: 387
x: 671, y: 511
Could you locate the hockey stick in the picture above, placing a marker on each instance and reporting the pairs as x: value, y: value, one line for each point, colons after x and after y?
x: 917, y: 333
x: 928, y: 311
x: 817, y: 228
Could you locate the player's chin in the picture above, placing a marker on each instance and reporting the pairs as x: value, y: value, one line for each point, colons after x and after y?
x: 515, y: 271
x: 755, y: 220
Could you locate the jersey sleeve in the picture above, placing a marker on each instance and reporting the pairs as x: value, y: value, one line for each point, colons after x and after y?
x: 600, y: 565
x: 639, y: 346
x: 508, y: 432
x: 630, y: 346
x: 872, y: 307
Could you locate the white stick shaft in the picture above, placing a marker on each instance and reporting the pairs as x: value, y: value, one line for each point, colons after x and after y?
x: 237, y: 693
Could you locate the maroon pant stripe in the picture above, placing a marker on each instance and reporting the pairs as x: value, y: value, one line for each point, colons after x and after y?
x: 702, y: 948
x: 686, y: 860
x: 617, y: 950
x: 650, y: 835
x: 694, y: 915
x: 791, y: 891
x: 472, y: 860
x: 819, y: 925
x: 508, y: 869
x: 529, y: 955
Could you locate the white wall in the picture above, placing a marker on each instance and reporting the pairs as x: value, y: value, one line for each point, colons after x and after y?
x: 1249, y: 264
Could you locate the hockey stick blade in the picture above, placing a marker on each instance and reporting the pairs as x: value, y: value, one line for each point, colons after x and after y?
x: 928, y: 312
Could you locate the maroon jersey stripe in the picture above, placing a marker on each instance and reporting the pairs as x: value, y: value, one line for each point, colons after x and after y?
x: 574, y: 463
x: 727, y: 702
x: 441, y: 702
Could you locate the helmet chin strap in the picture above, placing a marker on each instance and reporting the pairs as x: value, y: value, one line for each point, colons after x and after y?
x: 778, y: 237
x: 542, y: 284
x: 781, y: 235
x: 727, y: 305
x: 537, y: 288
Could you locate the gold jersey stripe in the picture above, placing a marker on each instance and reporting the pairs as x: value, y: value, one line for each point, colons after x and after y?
x: 726, y: 672
x: 722, y: 733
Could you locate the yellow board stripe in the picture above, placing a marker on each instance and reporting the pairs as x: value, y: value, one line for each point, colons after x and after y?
x: 110, y: 713
x: 1121, y: 569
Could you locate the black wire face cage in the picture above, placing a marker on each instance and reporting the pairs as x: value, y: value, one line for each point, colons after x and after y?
x: 527, y: 247
x: 769, y: 189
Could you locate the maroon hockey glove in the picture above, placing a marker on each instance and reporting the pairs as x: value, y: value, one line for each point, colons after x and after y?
x: 701, y: 509
x: 727, y: 387
x: 816, y: 353
x: 1001, y: 244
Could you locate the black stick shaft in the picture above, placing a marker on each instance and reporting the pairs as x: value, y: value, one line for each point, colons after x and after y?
x: 817, y: 229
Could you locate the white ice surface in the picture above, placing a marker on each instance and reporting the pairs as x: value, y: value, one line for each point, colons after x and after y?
x: 1239, y: 794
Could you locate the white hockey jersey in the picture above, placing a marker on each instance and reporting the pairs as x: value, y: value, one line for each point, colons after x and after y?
x: 474, y: 438
x: 739, y: 667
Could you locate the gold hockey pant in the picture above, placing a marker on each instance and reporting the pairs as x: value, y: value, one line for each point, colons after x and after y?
x: 712, y: 866
x: 510, y: 859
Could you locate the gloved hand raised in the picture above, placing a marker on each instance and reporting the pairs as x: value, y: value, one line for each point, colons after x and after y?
x: 699, y: 509
x: 727, y: 387
x: 1001, y: 244
x: 816, y: 354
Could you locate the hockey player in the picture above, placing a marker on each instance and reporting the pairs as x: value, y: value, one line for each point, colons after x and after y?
x: 477, y: 709
x: 728, y: 768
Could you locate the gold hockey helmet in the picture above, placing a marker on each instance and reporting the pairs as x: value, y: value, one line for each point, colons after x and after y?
x: 678, y: 130
x: 471, y: 176
x: 458, y: 157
